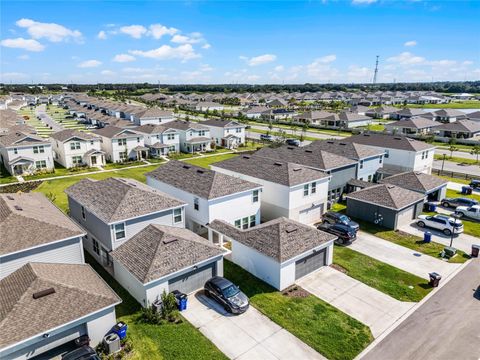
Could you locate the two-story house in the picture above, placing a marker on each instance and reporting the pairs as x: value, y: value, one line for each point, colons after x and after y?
x: 226, y: 133
x: 154, y: 116
x: 122, y: 144
x: 160, y: 139
x: 290, y: 190
x: 115, y: 209
x: 76, y: 148
x: 193, y: 137
x: 210, y: 195
x: 24, y: 153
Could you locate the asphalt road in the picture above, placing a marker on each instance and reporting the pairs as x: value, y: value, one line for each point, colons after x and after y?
x: 40, y: 111
x: 453, y: 166
x: 460, y: 154
x: 445, y: 327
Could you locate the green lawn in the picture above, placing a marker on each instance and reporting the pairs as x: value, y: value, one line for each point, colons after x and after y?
x: 163, y: 342
x: 181, y: 156
x: 467, y: 104
x: 381, y: 276
x: 111, y: 166
x: 59, y: 171
x: 457, y: 180
x: 326, y: 329
x: 299, y: 129
x: 250, y: 146
x: 276, y: 133
x: 453, y: 194
x: 205, y: 162
x: 5, y: 177
x: 459, y: 160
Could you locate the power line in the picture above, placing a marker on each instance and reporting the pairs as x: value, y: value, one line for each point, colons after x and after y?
x: 376, y: 71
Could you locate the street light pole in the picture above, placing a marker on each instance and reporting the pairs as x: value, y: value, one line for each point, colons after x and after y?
x: 443, y: 161
x: 455, y: 217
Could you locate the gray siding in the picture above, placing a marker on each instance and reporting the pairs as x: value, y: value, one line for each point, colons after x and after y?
x: 341, y: 176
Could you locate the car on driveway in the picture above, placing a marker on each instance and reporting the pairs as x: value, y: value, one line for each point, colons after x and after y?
x: 472, y: 212
x: 292, y: 142
x: 475, y: 184
x: 346, y: 235
x: 227, y: 294
x: 332, y: 217
x: 454, y: 202
x: 444, y: 223
x: 266, y: 137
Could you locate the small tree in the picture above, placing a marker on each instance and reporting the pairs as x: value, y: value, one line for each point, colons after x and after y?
x: 452, y: 146
x: 476, y: 151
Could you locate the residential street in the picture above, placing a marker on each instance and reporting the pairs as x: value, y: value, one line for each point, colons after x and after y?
x: 445, y: 327
x: 40, y: 111
x: 455, y: 167
x: 460, y: 154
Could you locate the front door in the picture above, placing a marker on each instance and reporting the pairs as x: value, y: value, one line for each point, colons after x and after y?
x: 94, y: 160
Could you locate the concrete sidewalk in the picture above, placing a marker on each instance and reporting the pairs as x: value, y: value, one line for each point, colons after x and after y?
x: 401, y: 257
x: 370, y: 306
x: 249, y: 336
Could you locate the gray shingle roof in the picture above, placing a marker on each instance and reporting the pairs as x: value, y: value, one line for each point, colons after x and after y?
x: 117, y: 199
x: 67, y: 134
x: 29, y: 220
x: 79, y: 291
x: 461, y: 125
x: 152, y: 129
x: 12, y: 138
x: 416, y: 181
x: 281, y: 239
x: 222, y: 123
x: 159, y: 250
x: 390, y: 141
x: 111, y: 131
x: 185, y: 125
x: 349, y: 150
x: 387, y: 195
x: 272, y: 170
x: 202, y: 182
x: 416, y: 122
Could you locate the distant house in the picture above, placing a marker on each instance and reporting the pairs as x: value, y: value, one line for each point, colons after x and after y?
x: 160, y: 139
x: 407, y: 113
x: 154, y: 116
x: 75, y: 148
x: 194, y: 137
x: 415, y: 125
x: 255, y: 112
x: 448, y: 115
x: 290, y: 190
x: 345, y: 119
x: 23, y: 153
x: 210, y: 195
x: 122, y: 144
x: 314, y: 116
x: 113, y: 210
x: 279, y: 252
x: 226, y: 133
x: 209, y: 106
x: 461, y: 129
x: 33, y: 229
x: 163, y: 258
x: 382, y: 112
x: 276, y: 103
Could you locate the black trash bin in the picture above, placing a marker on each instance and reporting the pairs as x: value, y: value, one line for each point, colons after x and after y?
x: 434, y: 279
x: 475, y: 250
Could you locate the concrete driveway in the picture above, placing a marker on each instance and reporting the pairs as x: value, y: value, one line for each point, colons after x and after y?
x: 401, y: 257
x: 370, y: 306
x: 248, y: 336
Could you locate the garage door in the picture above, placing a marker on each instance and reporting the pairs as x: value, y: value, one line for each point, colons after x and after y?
x: 192, y: 280
x: 310, y: 263
x: 311, y: 215
x: 405, y: 217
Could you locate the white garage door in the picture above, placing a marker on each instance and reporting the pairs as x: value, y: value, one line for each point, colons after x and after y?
x: 405, y: 217
x: 192, y: 280
x: 311, y: 215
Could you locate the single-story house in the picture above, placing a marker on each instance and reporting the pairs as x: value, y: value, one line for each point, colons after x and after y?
x: 165, y: 258
x: 279, y: 252
x: 433, y: 187
x: 385, y: 205
x: 461, y: 129
x: 416, y: 125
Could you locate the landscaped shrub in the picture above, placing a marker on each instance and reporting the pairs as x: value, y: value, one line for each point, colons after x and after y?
x: 168, y: 312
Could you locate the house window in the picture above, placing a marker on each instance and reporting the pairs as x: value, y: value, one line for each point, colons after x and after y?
x: 314, y: 188
x: 238, y: 130
x: 387, y: 154
x: 245, y: 223
x: 380, y: 160
x: 201, y: 133
x: 255, y: 196
x: 426, y: 154
x: 369, y: 178
x: 196, y: 204
x: 305, y: 190
x: 42, y: 164
x: 38, y: 149
x: 96, y: 247
x: 76, y: 160
x: 171, y: 148
x: 120, y: 231
x: 361, y: 164
x: 138, y: 139
x: 83, y: 213
x: 122, y: 155
x: 253, y: 220
x: 74, y: 146
x: 91, y: 142
x: 170, y: 136
x: 177, y: 215
x: 122, y: 142
x: 15, y: 151
x: 238, y: 223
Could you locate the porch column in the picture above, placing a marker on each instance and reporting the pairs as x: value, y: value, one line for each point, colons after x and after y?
x: 210, y: 235
x: 220, y: 240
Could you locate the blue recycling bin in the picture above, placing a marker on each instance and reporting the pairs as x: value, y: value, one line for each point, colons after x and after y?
x: 432, y: 207
x: 182, y: 304
x: 466, y: 190
x: 427, y: 237
x: 120, y: 329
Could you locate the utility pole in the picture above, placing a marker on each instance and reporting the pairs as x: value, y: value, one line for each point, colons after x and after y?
x: 376, y: 71
x: 158, y: 85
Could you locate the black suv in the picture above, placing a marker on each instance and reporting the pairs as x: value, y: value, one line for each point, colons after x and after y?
x: 226, y: 294
x: 454, y: 202
x: 475, y: 184
x: 292, y: 142
x: 332, y: 217
x: 346, y: 235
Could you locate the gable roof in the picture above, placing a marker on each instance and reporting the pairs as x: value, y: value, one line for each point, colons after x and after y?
x: 19, y: 138
x: 29, y: 220
x: 276, y: 171
x: 350, y: 150
x: 416, y: 181
x: 399, y: 142
x: 160, y: 250
x: 222, y: 123
x: 185, y: 125
x: 416, y: 122
x: 461, y: 125
x: 116, y: 132
x: 117, y: 199
x: 67, y: 134
x: 202, y: 182
x: 281, y: 239
x: 152, y: 112
x: 153, y: 129
x: 387, y: 195
x: 79, y: 291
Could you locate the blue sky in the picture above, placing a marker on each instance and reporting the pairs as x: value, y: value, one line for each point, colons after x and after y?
x: 239, y: 42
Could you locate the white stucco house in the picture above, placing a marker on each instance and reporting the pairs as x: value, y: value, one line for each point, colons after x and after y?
x: 279, y: 252
x: 226, y: 133
x: 210, y: 195
x: 194, y: 137
x: 290, y: 190
x: 164, y: 258
x: 154, y: 116
x: 160, y: 139
x: 76, y: 148
x: 210, y: 106
x: 122, y: 144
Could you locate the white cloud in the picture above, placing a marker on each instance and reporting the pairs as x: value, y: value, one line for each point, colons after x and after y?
x: 21, y: 43
x: 467, y: 62
x: 410, y: 43
x: 107, y: 73
x: 206, y: 46
x: 444, y: 62
x: 158, y: 30
x: 259, y: 60
x: 90, y: 64
x: 206, y: 68
x: 24, y: 57
x: 184, y: 52
x: 102, y: 35
x: 363, y: 2
x: 135, y: 31
x: 51, y: 31
x: 326, y: 59
x: 279, y: 68
x: 12, y: 76
x: 194, y: 38
x: 122, y: 58
x: 406, y: 58
x: 359, y: 74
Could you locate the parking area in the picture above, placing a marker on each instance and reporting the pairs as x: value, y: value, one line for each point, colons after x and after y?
x: 401, y: 257
x: 247, y: 336
x: 370, y: 306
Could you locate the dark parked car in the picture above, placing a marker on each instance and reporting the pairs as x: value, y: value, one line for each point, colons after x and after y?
x: 82, y: 353
x: 454, y: 202
x: 227, y: 294
x: 332, y: 217
x: 346, y: 235
x: 475, y: 184
x: 266, y: 137
x: 293, y: 142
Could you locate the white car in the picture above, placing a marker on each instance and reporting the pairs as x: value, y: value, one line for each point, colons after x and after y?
x: 444, y: 223
x: 471, y: 212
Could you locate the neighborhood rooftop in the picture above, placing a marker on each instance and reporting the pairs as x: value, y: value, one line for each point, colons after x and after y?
x: 68, y: 134
x: 414, y: 180
x: 349, y: 150
x: 390, y: 141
